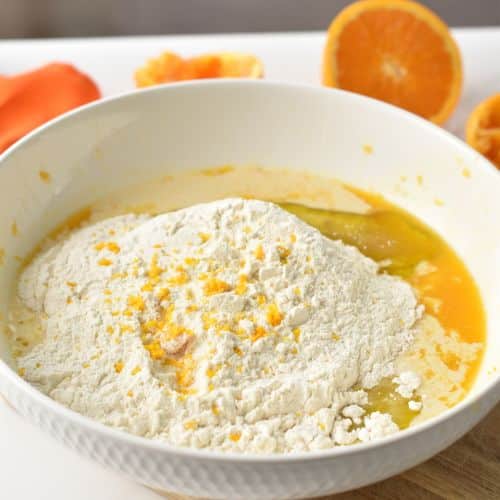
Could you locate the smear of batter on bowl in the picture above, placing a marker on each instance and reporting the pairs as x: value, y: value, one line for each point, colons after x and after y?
x: 236, y: 326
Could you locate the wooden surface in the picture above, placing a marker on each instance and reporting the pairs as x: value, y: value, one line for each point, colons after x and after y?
x: 469, y: 469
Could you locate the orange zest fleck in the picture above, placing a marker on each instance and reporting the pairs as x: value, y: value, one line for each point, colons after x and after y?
x: 204, y: 237
x: 241, y: 287
x: 191, y: 425
x: 274, y: 316
x: 258, y: 333
x: 215, y: 285
x: 44, y: 176
x: 208, y: 320
x: 261, y: 299
x: 181, y: 278
x: 163, y: 294
x: 211, y: 371
x: 235, y: 436
x: 125, y: 328
x: 109, y: 245
x: 154, y: 271
x: 172, y: 331
x: 184, y: 368
x: 296, y: 334
x: 155, y: 350
x: 259, y: 253
x: 136, y: 302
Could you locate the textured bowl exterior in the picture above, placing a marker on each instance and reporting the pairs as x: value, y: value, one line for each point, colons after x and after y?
x: 231, y: 477
x: 210, y: 474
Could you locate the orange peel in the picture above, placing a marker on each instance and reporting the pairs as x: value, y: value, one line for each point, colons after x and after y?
x: 170, y: 67
x: 483, y: 129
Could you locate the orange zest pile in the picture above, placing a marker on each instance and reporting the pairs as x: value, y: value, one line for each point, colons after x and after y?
x: 483, y: 129
x: 170, y: 67
x: 30, y: 99
x: 397, y: 51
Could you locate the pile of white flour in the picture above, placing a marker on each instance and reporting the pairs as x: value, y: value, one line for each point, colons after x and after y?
x: 230, y: 325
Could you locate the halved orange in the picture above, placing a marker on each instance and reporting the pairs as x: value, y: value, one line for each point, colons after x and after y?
x: 483, y: 129
x: 397, y: 51
x: 170, y: 67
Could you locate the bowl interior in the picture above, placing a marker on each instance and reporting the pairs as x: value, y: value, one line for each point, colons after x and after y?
x: 130, y: 139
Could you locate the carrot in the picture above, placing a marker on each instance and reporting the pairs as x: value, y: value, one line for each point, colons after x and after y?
x: 30, y: 99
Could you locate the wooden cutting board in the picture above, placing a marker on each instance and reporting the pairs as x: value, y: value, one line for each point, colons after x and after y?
x: 469, y: 469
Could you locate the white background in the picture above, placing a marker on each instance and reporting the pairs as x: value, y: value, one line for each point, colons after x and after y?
x: 32, y: 466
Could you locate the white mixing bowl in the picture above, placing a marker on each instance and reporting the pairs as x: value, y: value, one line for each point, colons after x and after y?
x: 128, y: 139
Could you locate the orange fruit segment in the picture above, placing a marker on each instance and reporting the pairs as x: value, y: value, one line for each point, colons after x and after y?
x: 396, y: 51
x: 170, y: 67
x: 483, y: 129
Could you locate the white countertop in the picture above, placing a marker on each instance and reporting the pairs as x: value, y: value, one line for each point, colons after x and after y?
x: 32, y: 465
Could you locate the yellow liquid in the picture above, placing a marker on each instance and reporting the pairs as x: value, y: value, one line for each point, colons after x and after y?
x: 388, y: 233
